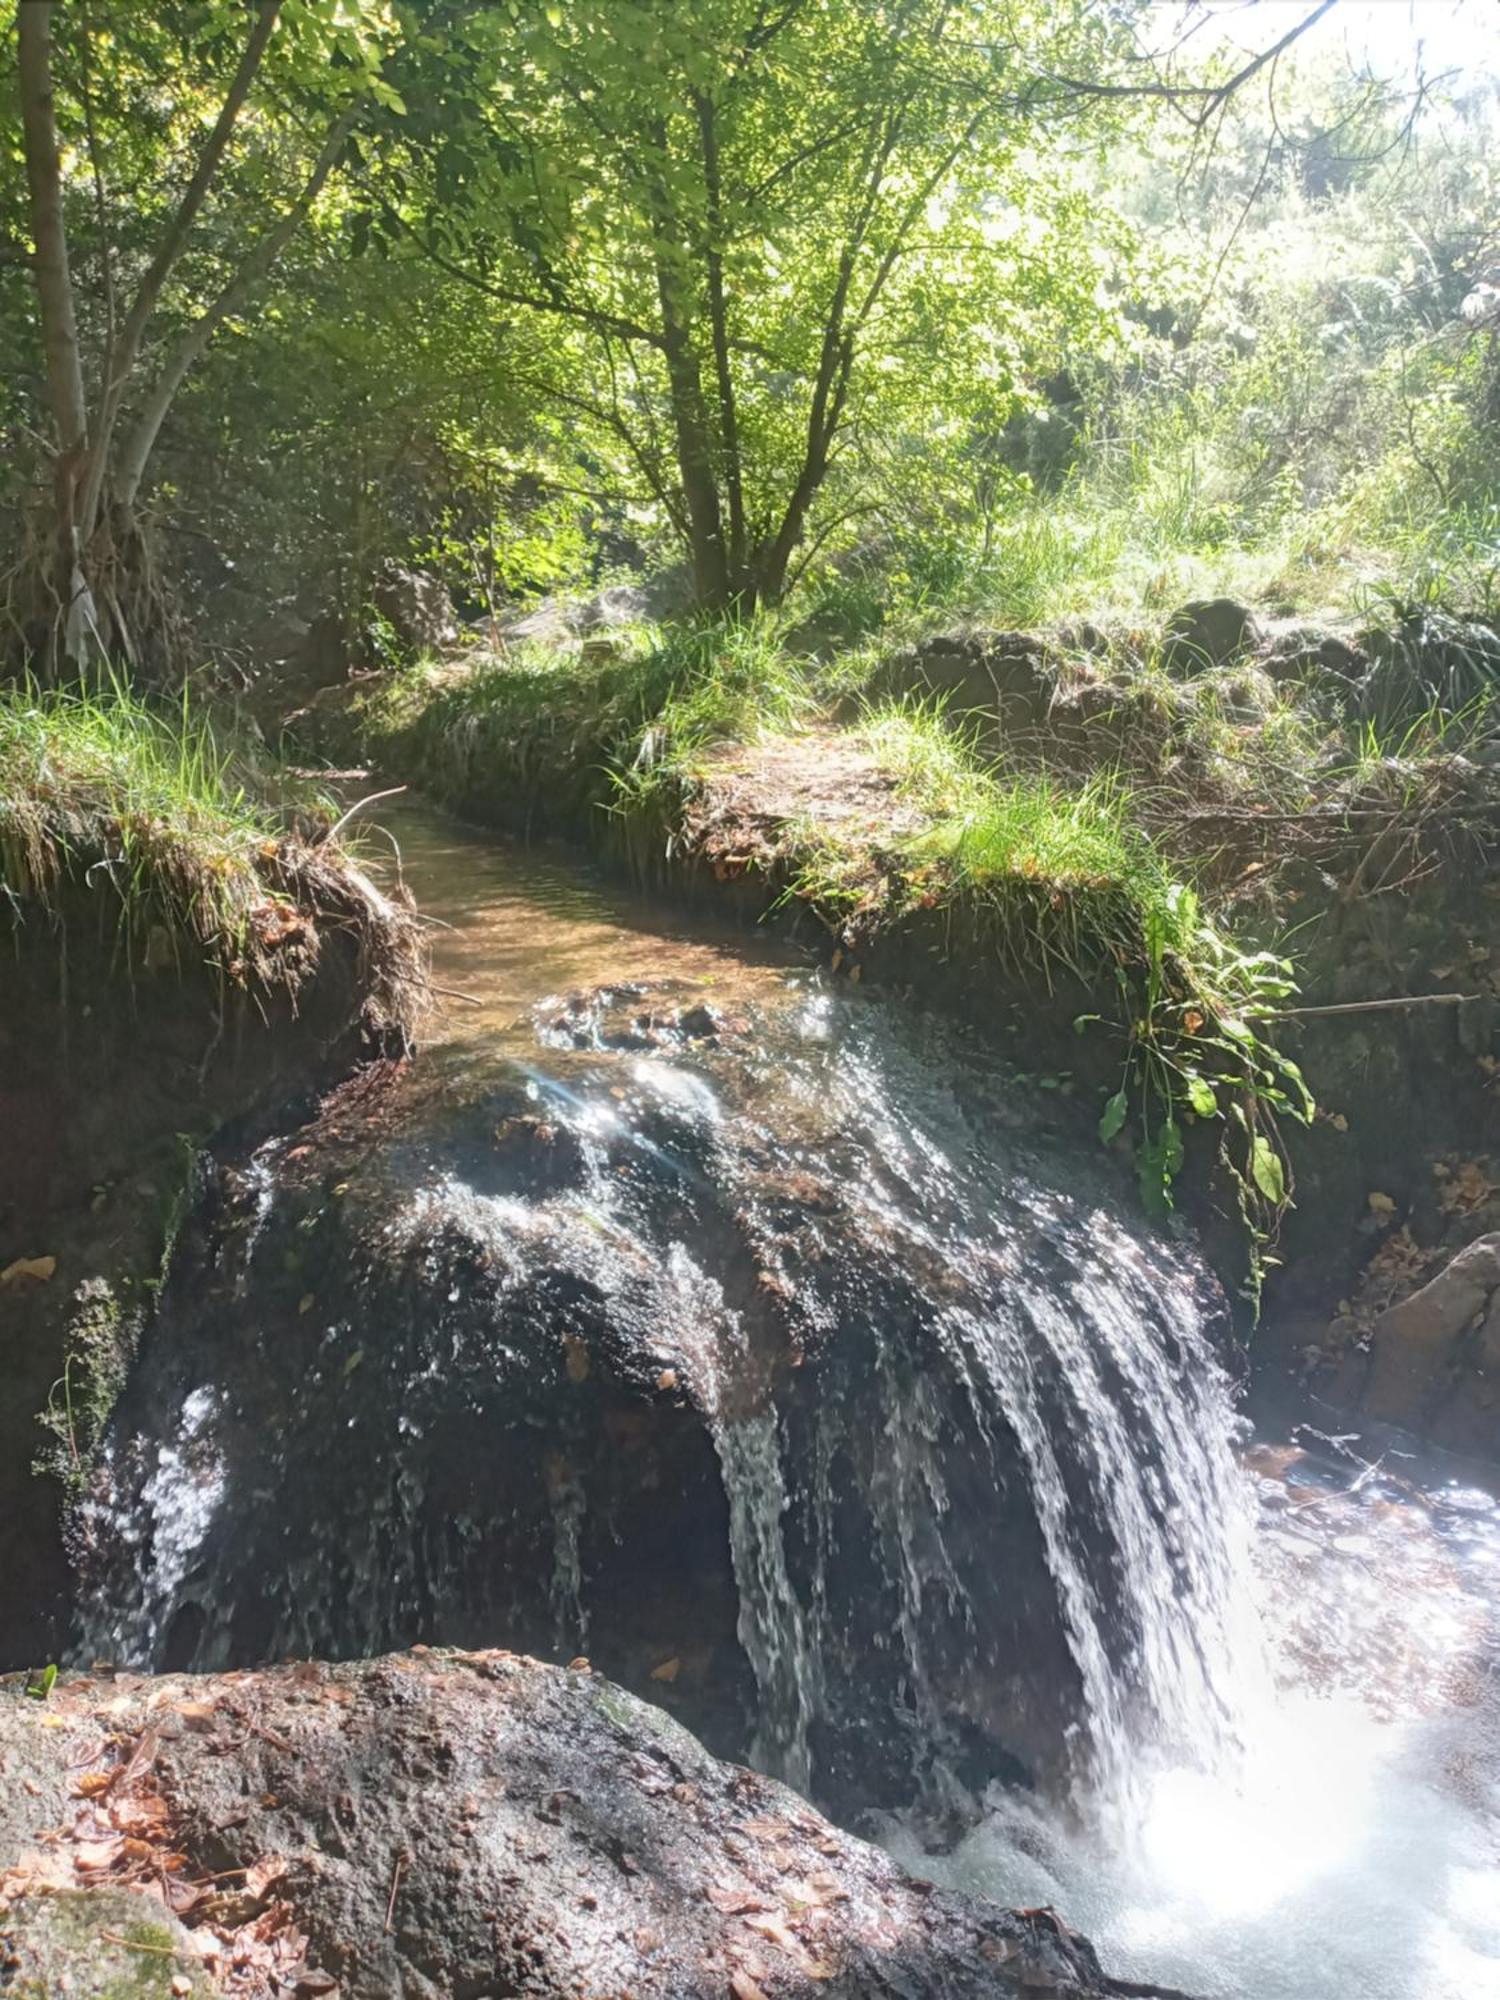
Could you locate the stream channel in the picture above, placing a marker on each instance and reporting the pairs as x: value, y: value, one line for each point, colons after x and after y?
x: 786, y: 1353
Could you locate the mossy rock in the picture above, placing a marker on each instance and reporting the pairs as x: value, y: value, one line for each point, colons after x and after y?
x: 97, y: 1944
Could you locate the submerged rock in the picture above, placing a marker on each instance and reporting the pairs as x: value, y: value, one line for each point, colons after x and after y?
x: 476, y: 1824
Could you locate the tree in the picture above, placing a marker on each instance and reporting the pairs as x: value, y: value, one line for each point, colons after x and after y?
x: 285, y: 82
x: 723, y: 221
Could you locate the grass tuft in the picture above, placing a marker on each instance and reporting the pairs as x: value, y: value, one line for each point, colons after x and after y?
x: 103, y: 795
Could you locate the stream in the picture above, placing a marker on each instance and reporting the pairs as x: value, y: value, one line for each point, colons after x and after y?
x: 800, y: 1364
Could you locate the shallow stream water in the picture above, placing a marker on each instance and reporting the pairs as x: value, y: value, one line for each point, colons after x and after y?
x: 1281, y: 1776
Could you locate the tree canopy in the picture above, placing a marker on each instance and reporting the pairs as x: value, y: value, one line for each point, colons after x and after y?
x: 496, y: 285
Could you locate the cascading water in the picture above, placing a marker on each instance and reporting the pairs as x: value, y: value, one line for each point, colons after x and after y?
x: 738, y: 1337
x: 962, y: 1424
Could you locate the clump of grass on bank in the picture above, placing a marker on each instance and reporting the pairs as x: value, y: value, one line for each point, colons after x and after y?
x: 103, y: 796
x: 536, y: 739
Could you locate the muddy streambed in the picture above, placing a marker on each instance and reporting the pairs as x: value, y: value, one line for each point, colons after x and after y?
x: 666, y: 1254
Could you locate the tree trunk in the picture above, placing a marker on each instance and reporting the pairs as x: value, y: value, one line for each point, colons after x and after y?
x: 138, y: 447
x: 64, y: 582
x: 173, y: 241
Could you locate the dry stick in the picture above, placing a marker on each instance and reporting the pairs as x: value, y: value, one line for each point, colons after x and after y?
x: 1380, y: 1006
x: 359, y: 805
x: 390, y: 1908
x: 129, y: 1944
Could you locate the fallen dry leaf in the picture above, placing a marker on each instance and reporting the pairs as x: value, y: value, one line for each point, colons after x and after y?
x: 743, y: 1987
x: 667, y: 1671
x: 38, y: 1268
x: 735, y: 1902
x: 93, y: 1856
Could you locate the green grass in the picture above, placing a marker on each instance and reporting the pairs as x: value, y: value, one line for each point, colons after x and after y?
x: 540, y: 739
x: 1060, y: 882
x: 111, y: 805
x: 97, y: 786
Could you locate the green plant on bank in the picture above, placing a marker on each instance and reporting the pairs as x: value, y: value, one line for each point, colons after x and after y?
x: 1060, y: 881
x: 98, y: 1348
x: 97, y: 784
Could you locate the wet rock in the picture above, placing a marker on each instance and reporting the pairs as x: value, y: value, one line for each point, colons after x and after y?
x: 730, y: 1350
x: 1207, y: 632
x: 431, y: 1825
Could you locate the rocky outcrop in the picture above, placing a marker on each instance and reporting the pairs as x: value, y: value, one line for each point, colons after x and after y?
x: 438, y: 1825
x: 657, y: 1344
x: 1451, y: 1324
x: 416, y: 606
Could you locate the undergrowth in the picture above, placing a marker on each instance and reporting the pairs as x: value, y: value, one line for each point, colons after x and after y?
x: 1060, y: 881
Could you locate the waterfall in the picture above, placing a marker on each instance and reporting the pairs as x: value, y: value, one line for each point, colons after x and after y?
x: 587, y: 1347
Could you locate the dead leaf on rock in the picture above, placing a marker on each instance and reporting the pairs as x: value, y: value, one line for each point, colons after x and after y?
x: 37, y: 1268
x: 92, y: 1783
x: 92, y: 1857
x: 259, y: 1877
x: 743, y: 1987
x: 735, y: 1902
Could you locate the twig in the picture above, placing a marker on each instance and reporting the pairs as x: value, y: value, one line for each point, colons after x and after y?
x: 390, y: 1909
x: 1378, y: 1006
x: 130, y: 1944
x: 456, y: 993
x: 359, y: 805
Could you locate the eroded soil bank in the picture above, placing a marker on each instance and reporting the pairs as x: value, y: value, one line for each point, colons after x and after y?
x: 440, y: 1825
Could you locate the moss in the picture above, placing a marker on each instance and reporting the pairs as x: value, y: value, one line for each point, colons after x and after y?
x: 99, y: 1345
x: 94, y: 1945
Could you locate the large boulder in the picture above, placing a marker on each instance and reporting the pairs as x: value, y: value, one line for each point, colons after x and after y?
x: 416, y: 606
x: 673, y: 1341
x: 440, y: 1824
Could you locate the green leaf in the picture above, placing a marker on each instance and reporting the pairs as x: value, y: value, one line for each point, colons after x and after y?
x: 1159, y: 1164
x: 1113, y: 1120
x: 40, y: 1685
x: 1266, y: 1171
x: 1200, y: 1095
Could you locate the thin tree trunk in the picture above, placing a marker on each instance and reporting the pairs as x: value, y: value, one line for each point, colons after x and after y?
x: 50, y: 272
x: 54, y: 289
x: 168, y: 251
x: 729, y: 428
x: 136, y: 453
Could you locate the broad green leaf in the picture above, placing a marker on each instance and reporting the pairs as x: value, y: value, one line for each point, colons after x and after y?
x: 1113, y: 1119
x: 1266, y: 1171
